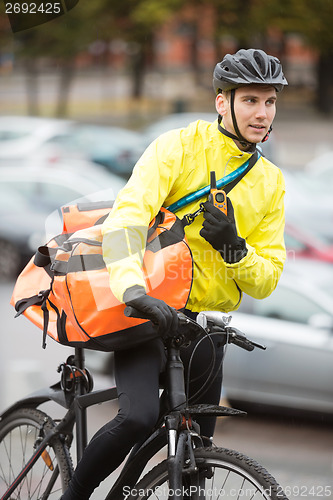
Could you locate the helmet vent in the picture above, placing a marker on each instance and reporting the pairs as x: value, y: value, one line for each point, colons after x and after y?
x: 258, y: 59
x: 274, y: 68
x: 247, y: 65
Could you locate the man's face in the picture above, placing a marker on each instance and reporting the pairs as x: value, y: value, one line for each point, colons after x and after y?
x: 254, y: 107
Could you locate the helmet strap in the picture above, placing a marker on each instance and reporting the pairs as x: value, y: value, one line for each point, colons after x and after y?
x: 224, y: 131
x: 233, y: 136
x: 240, y: 138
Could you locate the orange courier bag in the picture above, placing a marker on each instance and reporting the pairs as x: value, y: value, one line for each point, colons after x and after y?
x: 65, y: 290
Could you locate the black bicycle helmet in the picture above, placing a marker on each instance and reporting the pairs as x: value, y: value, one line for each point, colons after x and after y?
x: 246, y: 67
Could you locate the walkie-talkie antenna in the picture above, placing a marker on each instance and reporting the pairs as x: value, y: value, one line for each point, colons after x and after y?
x: 212, y: 179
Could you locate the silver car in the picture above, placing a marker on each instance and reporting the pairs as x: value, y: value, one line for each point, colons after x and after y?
x: 296, y: 325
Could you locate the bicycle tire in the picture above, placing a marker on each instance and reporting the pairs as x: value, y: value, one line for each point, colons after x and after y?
x: 223, y: 473
x: 20, y: 431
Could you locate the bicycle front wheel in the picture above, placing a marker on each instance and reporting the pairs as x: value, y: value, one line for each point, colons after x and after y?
x: 222, y: 473
x: 20, y: 434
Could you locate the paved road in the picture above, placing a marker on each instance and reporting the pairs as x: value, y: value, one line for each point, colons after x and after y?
x: 298, y: 453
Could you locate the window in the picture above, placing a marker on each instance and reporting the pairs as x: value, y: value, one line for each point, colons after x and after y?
x: 287, y: 304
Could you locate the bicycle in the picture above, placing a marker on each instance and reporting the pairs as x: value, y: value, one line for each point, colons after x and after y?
x: 35, y: 450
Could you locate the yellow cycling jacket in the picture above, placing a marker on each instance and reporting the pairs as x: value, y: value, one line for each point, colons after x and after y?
x: 176, y: 164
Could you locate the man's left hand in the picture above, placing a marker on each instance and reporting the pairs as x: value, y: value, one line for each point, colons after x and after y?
x: 221, y: 232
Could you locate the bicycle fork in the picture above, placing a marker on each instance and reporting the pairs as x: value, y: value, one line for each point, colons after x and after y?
x: 182, y: 469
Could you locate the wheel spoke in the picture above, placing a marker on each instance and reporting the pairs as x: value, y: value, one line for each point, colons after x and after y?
x: 7, y: 459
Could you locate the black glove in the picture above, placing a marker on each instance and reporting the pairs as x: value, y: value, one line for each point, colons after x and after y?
x: 164, y: 316
x: 220, y: 231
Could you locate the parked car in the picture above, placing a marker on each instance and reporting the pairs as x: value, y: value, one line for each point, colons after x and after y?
x: 30, y: 139
x: 29, y: 199
x: 115, y: 148
x: 295, y: 323
x: 22, y: 136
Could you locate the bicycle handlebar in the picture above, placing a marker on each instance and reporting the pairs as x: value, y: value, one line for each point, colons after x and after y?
x: 216, y: 318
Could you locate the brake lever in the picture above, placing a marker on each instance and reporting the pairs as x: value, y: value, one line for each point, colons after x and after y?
x: 238, y: 338
x: 260, y: 346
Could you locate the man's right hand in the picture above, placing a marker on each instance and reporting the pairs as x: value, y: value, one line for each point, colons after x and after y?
x: 164, y: 316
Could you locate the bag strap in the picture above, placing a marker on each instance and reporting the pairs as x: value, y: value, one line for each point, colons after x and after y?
x: 157, y: 221
x: 253, y: 160
x: 36, y: 300
x: 231, y: 179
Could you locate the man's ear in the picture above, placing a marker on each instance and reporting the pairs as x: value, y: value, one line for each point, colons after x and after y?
x: 222, y: 104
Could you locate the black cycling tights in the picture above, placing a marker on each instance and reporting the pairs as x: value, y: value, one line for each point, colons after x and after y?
x: 137, y: 374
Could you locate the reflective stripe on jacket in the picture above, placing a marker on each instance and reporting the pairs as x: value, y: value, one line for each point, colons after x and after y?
x: 176, y: 164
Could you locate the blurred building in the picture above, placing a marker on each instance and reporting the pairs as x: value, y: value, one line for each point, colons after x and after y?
x: 187, y: 42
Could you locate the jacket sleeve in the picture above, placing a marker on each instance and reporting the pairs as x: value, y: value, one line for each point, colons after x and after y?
x: 125, y: 229
x: 258, y: 273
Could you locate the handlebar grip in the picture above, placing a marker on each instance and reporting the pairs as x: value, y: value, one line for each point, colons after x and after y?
x: 132, y: 312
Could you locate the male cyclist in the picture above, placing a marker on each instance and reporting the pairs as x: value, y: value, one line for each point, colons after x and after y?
x: 241, y: 252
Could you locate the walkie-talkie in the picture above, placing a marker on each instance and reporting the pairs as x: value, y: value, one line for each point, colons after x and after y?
x: 217, y: 196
